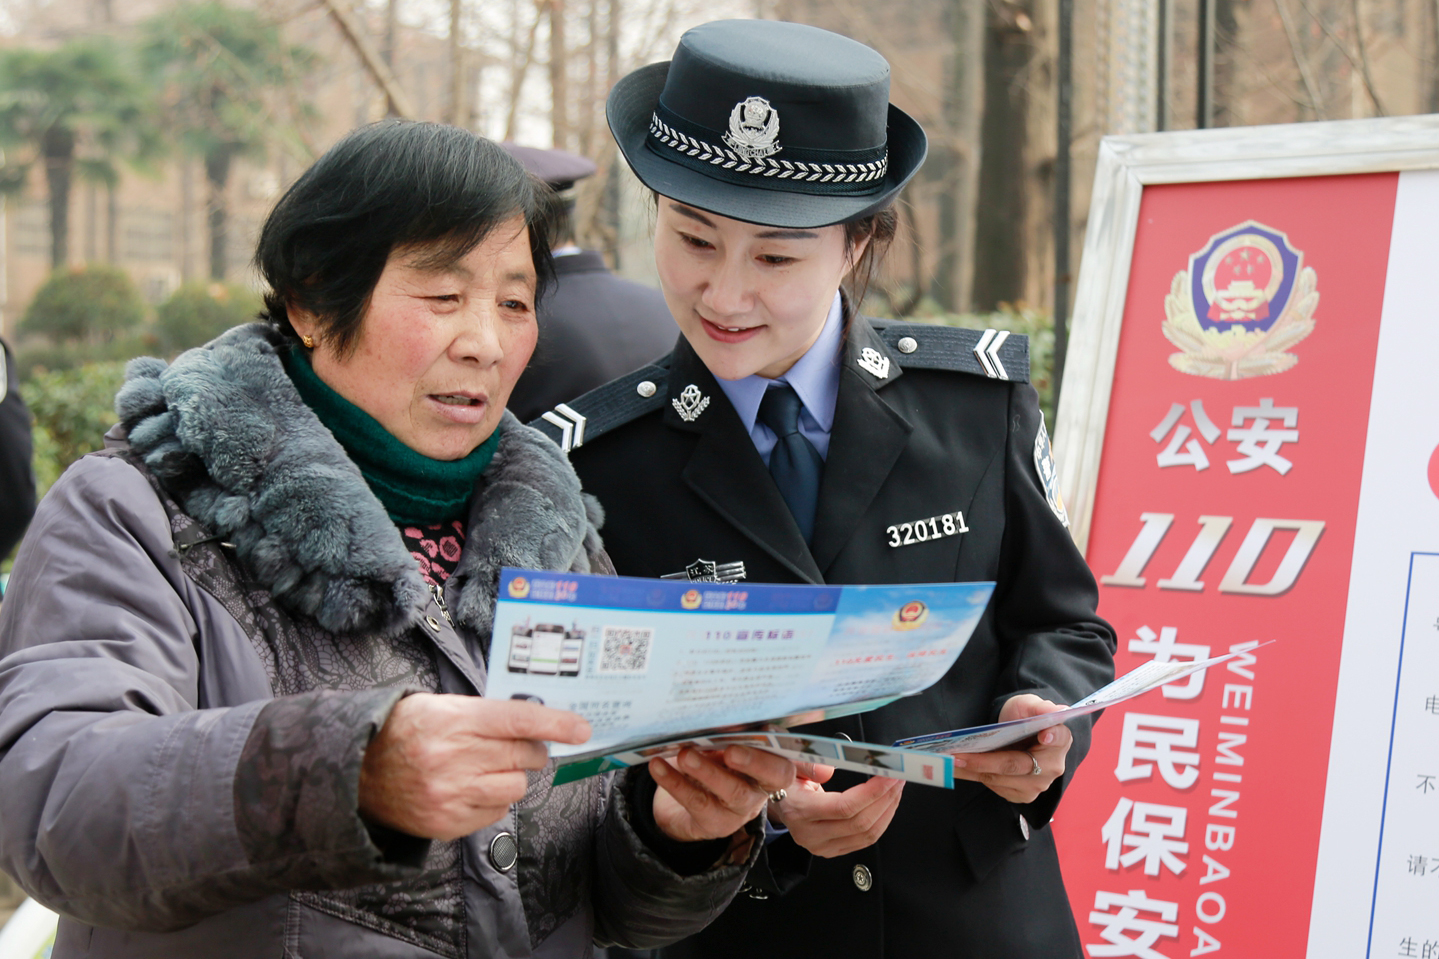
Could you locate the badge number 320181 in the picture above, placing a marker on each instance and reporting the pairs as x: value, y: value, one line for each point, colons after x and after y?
x: 924, y: 530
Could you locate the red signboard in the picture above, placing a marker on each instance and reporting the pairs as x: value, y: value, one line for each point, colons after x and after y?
x: 1224, y: 516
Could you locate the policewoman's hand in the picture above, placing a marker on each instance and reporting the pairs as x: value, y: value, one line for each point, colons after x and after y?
x: 830, y: 824
x: 1020, y: 775
x: 711, y: 795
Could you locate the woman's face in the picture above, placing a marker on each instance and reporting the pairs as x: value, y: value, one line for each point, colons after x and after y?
x: 440, y: 348
x: 750, y: 299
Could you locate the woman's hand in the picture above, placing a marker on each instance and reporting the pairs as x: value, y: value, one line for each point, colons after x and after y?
x: 444, y: 766
x: 830, y: 824
x: 712, y: 795
x: 1020, y: 775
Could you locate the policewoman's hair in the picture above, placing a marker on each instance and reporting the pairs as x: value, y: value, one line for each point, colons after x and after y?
x: 391, y: 185
x: 773, y: 123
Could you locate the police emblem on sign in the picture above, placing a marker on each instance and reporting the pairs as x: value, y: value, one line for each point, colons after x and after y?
x: 1246, y: 298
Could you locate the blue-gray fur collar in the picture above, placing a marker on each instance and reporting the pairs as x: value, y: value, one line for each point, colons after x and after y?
x: 227, y: 435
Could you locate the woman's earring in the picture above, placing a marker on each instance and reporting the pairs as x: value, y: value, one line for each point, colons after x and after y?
x: 308, y: 340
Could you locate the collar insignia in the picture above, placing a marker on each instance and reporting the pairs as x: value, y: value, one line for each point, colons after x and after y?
x: 753, y: 128
x: 708, y: 571
x: 690, y: 403
x: 875, y: 362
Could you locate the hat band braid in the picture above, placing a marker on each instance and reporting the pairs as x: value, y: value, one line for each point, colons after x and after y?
x: 817, y: 172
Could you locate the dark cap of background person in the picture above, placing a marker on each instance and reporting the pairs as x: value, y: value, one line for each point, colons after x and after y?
x: 775, y: 123
x: 561, y: 170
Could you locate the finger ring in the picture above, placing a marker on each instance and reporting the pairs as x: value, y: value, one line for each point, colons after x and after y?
x: 1036, y: 771
x: 777, y: 796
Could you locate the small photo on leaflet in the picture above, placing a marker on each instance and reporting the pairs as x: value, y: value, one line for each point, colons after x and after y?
x: 810, y: 749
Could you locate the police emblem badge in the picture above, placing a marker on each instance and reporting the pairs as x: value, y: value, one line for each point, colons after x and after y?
x: 753, y: 129
x: 1244, y: 301
x: 691, y: 403
x: 874, y: 362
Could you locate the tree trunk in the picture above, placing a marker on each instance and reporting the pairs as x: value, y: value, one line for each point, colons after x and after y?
x: 559, y: 93
x: 954, y: 164
x: 1000, y: 221
x: 457, y: 67
x: 217, y: 174
x: 59, y: 150
x: 1226, y: 30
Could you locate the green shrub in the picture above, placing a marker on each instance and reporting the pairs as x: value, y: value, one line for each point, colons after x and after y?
x: 73, y: 409
x: 36, y: 358
x: 198, y: 312
x: 84, y: 305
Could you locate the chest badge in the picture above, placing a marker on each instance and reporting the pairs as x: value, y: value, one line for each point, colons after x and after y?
x: 691, y: 403
x: 708, y: 571
x: 924, y: 530
x: 874, y: 362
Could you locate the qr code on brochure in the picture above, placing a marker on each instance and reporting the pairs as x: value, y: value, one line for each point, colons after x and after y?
x: 625, y: 649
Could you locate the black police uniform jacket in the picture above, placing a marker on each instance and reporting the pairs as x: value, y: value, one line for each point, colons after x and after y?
x: 959, y: 872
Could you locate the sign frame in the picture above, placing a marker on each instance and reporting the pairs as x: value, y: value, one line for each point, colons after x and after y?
x: 1125, y: 167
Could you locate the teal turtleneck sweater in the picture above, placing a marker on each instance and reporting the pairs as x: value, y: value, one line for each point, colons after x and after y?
x: 413, y: 488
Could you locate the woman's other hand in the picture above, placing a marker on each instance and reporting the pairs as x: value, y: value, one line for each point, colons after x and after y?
x: 830, y: 824
x: 1020, y: 775
x: 712, y: 795
x: 444, y: 766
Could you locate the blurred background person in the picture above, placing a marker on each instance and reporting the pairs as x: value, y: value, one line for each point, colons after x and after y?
x: 594, y: 326
x: 17, y: 477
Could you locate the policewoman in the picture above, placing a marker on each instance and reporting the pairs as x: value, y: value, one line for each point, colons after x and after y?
x: 788, y: 439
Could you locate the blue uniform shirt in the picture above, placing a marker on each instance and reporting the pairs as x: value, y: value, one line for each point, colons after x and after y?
x: 814, y: 376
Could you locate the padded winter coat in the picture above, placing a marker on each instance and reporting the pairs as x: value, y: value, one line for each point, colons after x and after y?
x: 205, y: 626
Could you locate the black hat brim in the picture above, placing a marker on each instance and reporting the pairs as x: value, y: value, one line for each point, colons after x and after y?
x: 629, y: 108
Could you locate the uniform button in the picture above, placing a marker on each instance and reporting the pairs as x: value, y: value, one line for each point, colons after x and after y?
x: 863, y: 879
x: 1024, y: 827
x: 433, y: 623
x: 645, y: 388
x: 504, y: 851
x: 907, y: 344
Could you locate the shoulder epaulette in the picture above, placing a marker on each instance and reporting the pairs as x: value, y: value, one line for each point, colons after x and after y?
x: 606, y: 407
x: 997, y: 354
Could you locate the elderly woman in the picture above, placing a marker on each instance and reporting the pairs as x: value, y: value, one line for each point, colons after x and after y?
x: 241, y: 692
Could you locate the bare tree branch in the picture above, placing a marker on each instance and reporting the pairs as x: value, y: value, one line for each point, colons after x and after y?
x: 345, y: 19
x: 1364, y: 58
x: 517, y: 75
x: 1316, y: 103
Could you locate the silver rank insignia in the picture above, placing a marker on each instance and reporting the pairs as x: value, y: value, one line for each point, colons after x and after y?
x: 753, y: 129
x: 708, y: 571
x: 873, y: 361
x: 691, y: 403
x: 1048, y: 473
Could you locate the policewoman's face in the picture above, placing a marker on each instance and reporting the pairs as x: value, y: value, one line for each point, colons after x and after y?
x: 750, y: 299
x: 440, y: 349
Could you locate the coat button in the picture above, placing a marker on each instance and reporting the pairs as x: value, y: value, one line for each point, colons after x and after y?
x: 1024, y: 827
x: 863, y: 879
x: 907, y: 344
x: 645, y: 388
x: 504, y: 851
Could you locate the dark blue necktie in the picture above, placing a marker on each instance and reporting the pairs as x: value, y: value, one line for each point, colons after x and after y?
x: 794, y: 463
